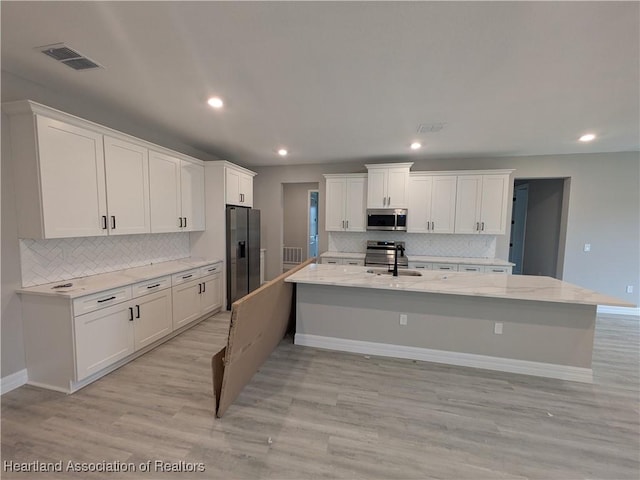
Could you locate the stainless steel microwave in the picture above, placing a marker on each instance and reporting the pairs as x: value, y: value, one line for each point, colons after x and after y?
x: 394, y: 219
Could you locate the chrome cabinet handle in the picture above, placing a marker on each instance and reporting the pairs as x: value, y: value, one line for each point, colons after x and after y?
x: 483, y: 226
x: 347, y: 223
x: 204, y: 287
x: 104, y: 222
x: 388, y: 200
x: 433, y: 226
x: 180, y: 219
x: 113, y: 222
x: 137, y: 311
x: 477, y: 226
x: 131, y: 314
x: 185, y: 221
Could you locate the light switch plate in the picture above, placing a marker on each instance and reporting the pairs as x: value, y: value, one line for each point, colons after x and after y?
x: 587, y: 247
x: 497, y: 329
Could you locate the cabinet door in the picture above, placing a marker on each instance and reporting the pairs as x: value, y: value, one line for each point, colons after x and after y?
x: 494, y: 203
x: 164, y: 193
x: 152, y: 318
x: 468, y: 198
x: 72, y: 180
x: 211, y: 296
x: 355, y: 211
x: 192, y: 196
x: 377, y: 188
x: 397, y: 186
x: 232, y: 185
x: 186, y: 303
x: 443, y: 204
x: 246, y: 190
x: 102, y: 338
x: 419, y: 204
x: 335, y: 194
x: 127, y: 180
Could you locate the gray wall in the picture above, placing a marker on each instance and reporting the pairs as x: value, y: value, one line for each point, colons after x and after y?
x: 543, y: 227
x: 603, y: 210
x: 295, y: 209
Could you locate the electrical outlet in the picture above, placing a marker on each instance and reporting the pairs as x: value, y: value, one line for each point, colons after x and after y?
x: 403, y: 319
x: 497, y: 328
x: 629, y: 288
x: 587, y: 247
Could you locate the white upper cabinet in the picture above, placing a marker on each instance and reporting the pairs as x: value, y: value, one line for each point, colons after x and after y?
x: 165, y: 193
x: 127, y: 179
x: 482, y: 204
x: 432, y: 203
x: 192, y: 196
x: 345, y: 208
x: 176, y: 194
x: 388, y: 185
x: 75, y: 178
x: 69, y: 162
x: 239, y: 186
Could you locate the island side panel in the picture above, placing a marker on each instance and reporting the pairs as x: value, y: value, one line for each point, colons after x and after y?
x: 553, y: 333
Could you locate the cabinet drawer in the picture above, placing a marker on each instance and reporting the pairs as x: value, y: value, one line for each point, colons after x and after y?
x: 471, y: 268
x: 186, y: 276
x: 493, y: 269
x: 99, y: 300
x: 150, y: 286
x: 211, y: 269
x: 353, y: 261
x: 445, y: 266
x: 331, y: 261
x: 421, y: 266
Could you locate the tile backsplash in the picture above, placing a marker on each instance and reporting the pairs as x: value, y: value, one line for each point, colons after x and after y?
x: 441, y: 245
x: 45, y: 261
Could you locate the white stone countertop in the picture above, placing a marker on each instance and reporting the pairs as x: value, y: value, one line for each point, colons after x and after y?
x: 517, y: 287
x: 343, y: 255
x: 97, y: 283
x: 431, y: 259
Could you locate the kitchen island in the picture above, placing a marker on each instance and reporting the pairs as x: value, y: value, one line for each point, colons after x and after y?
x: 513, y: 323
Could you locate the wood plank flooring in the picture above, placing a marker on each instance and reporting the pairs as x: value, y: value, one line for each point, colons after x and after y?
x: 317, y: 414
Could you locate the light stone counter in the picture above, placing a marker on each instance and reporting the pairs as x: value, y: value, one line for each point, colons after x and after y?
x: 97, y: 283
x: 516, y: 287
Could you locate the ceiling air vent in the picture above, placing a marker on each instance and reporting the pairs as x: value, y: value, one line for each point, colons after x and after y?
x: 68, y: 56
x: 430, y: 127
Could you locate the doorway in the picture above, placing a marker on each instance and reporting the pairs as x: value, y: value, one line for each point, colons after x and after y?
x: 538, y: 226
x: 312, y: 224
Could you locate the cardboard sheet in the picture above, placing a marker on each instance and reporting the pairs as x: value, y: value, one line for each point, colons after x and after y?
x: 258, y: 322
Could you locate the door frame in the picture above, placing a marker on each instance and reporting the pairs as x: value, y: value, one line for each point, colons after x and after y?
x: 309, y: 192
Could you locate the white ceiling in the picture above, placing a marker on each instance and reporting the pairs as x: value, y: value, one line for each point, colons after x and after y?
x: 342, y: 81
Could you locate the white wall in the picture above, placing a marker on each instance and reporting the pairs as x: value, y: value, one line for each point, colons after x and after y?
x: 603, y: 210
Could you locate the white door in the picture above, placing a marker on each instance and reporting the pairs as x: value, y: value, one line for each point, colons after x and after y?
x: 164, y: 193
x: 355, y: 208
x: 419, y: 204
x: 377, y: 188
x: 494, y: 204
x: 211, y: 293
x: 152, y: 318
x: 232, y: 185
x: 102, y: 338
x: 246, y: 190
x: 186, y: 303
x: 192, y: 195
x: 335, y: 195
x: 443, y: 204
x: 468, y: 198
x: 72, y: 180
x: 397, y: 185
x: 127, y: 176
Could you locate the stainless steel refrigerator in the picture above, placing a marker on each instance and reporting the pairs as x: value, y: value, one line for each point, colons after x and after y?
x: 243, y: 252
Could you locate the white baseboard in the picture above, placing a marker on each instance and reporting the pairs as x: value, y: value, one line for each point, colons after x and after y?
x: 13, y: 381
x: 625, y: 311
x: 538, y: 369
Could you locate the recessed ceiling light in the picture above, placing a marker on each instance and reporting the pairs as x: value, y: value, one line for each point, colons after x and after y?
x: 416, y: 145
x: 587, y: 137
x: 283, y: 152
x: 215, y: 102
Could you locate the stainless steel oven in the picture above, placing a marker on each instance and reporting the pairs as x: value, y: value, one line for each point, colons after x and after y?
x: 394, y: 219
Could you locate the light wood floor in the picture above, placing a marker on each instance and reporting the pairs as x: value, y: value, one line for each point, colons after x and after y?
x: 333, y: 415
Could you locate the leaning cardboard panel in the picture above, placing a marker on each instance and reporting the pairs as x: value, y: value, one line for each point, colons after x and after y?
x: 258, y: 323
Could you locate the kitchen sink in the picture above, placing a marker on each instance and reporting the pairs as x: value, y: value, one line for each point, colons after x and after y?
x: 401, y: 273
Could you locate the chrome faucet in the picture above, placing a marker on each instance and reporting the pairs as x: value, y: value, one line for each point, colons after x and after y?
x: 395, y: 258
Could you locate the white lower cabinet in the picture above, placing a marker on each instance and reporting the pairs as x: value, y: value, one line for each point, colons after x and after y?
x: 342, y: 261
x: 195, y: 298
x: 71, y: 342
x: 461, y: 267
